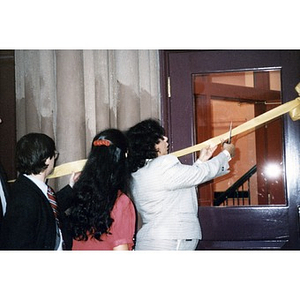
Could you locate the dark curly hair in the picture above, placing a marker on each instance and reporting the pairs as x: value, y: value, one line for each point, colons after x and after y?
x: 142, y: 139
x: 103, y: 176
x: 32, y: 151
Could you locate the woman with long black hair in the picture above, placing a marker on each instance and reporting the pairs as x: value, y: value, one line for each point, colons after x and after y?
x: 103, y: 216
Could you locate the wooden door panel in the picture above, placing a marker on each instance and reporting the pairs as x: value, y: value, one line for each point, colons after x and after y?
x: 233, y: 223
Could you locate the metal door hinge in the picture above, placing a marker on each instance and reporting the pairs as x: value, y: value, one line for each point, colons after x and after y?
x: 169, y: 87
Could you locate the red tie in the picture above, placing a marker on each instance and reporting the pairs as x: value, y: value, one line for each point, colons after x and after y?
x: 53, y: 203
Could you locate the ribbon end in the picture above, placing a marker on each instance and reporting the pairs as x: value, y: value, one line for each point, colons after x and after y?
x: 297, y: 88
x: 295, y: 113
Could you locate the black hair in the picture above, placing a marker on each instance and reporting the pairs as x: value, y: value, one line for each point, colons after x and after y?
x: 142, y: 139
x: 32, y: 151
x: 96, y: 191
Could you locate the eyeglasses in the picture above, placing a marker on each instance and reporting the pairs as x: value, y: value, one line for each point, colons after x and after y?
x: 56, y: 154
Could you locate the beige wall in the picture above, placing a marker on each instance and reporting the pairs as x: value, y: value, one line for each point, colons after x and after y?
x: 73, y: 94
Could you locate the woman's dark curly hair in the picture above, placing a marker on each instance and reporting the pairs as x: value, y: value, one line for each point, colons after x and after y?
x: 32, y: 151
x: 103, y: 176
x: 142, y: 139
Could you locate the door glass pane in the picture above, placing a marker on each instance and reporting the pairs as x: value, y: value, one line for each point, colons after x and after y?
x: 257, y: 171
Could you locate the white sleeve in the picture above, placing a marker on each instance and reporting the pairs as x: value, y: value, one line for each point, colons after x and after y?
x: 176, y: 175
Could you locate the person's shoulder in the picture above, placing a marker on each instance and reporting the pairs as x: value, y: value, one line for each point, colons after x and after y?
x: 24, y: 187
x: 156, y: 166
x: 123, y: 197
x: 166, y: 160
x: 123, y: 200
x: 22, y: 182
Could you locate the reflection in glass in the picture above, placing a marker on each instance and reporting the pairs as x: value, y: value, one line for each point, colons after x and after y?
x: 257, y: 171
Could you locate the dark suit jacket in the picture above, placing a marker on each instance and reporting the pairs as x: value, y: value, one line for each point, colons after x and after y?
x: 29, y: 223
x: 6, y: 190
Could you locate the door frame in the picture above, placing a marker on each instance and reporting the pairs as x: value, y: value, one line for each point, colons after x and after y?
x: 8, y: 112
x: 278, y: 225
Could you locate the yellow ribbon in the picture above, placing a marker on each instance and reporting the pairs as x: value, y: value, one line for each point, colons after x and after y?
x: 293, y: 107
x: 68, y: 168
x: 290, y: 106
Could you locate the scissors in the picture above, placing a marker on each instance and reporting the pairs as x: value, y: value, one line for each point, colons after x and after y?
x: 230, y: 130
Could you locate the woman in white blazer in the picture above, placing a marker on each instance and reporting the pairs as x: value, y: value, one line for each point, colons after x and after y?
x: 164, y: 191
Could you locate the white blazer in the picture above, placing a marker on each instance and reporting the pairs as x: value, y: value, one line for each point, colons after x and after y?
x: 165, y: 196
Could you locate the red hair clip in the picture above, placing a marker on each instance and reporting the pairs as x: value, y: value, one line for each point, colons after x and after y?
x: 102, y: 143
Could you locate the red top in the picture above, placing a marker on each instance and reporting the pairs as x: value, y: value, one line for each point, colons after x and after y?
x: 122, y: 228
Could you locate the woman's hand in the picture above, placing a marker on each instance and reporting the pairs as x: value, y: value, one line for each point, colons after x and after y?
x: 206, y: 153
x: 230, y: 148
x: 73, y: 178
